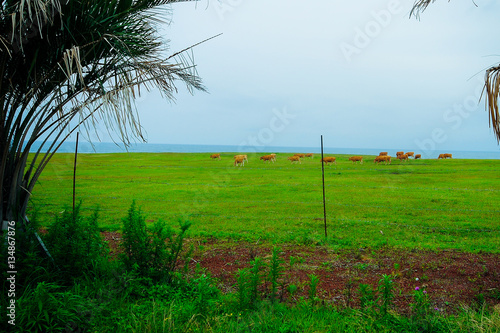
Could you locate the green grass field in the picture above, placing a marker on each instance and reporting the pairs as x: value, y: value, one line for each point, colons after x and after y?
x: 426, y: 204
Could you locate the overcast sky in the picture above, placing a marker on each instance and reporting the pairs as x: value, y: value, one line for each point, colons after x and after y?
x: 361, y: 73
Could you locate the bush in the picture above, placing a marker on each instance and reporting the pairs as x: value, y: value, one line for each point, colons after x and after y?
x: 152, y: 254
x: 76, y: 244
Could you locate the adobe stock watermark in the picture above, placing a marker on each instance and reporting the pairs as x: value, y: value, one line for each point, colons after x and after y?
x: 222, y: 7
x: 266, y: 135
x: 454, y: 117
x: 278, y: 122
x: 11, y: 272
x: 363, y: 36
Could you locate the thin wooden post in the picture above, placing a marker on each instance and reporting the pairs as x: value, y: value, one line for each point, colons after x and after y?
x: 323, y: 176
x: 74, y: 173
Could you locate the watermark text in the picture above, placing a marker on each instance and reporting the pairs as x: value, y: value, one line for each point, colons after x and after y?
x: 11, y: 272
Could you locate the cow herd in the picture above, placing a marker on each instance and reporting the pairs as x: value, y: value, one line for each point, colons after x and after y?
x: 239, y: 160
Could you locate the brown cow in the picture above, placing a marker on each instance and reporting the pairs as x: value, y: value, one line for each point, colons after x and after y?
x: 240, y: 160
x: 410, y: 154
x: 441, y: 156
x: 215, y: 156
x: 384, y: 153
x: 400, y: 153
x: 245, y: 157
x: 418, y: 156
x: 311, y: 155
x: 403, y: 157
x: 294, y: 158
x: 267, y: 158
x: 355, y: 159
x: 447, y: 155
x: 329, y: 159
x: 385, y: 159
x: 300, y: 155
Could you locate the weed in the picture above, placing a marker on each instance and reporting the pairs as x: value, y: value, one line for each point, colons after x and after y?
x: 255, y: 277
x: 313, y: 285
x: 248, y: 281
x: 348, y: 291
x: 275, y: 272
x: 367, y: 298
x: 292, y: 289
x: 362, y: 266
x: 385, y: 290
x: 397, y: 270
x: 326, y: 265
x: 244, y: 295
x: 480, y: 300
x: 495, y: 293
x: 420, y: 306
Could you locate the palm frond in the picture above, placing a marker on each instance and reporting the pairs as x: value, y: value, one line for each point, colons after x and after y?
x: 492, y: 79
x: 419, y: 6
x: 492, y: 87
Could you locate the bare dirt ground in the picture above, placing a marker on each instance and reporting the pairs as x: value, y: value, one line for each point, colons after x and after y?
x: 451, y: 279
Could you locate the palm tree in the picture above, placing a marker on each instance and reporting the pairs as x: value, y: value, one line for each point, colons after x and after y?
x: 491, y: 81
x: 66, y: 64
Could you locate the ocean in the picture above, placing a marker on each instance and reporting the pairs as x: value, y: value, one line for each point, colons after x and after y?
x: 106, y: 148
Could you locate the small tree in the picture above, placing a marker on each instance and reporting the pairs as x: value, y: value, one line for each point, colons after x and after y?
x: 491, y: 81
x: 68, y: 63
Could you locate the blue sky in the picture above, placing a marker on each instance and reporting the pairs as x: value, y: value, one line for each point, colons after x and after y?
x: 361, y: 73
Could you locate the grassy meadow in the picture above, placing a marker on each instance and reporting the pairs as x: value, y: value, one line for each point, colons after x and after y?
x: 427, y: 204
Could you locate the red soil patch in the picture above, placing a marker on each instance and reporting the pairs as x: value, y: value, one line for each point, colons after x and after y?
x: 451, y: 279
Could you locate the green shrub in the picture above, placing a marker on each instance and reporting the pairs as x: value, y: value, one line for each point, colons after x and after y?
x: 154, y: 254
x: 75, y: 244
x: 136, y: 246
